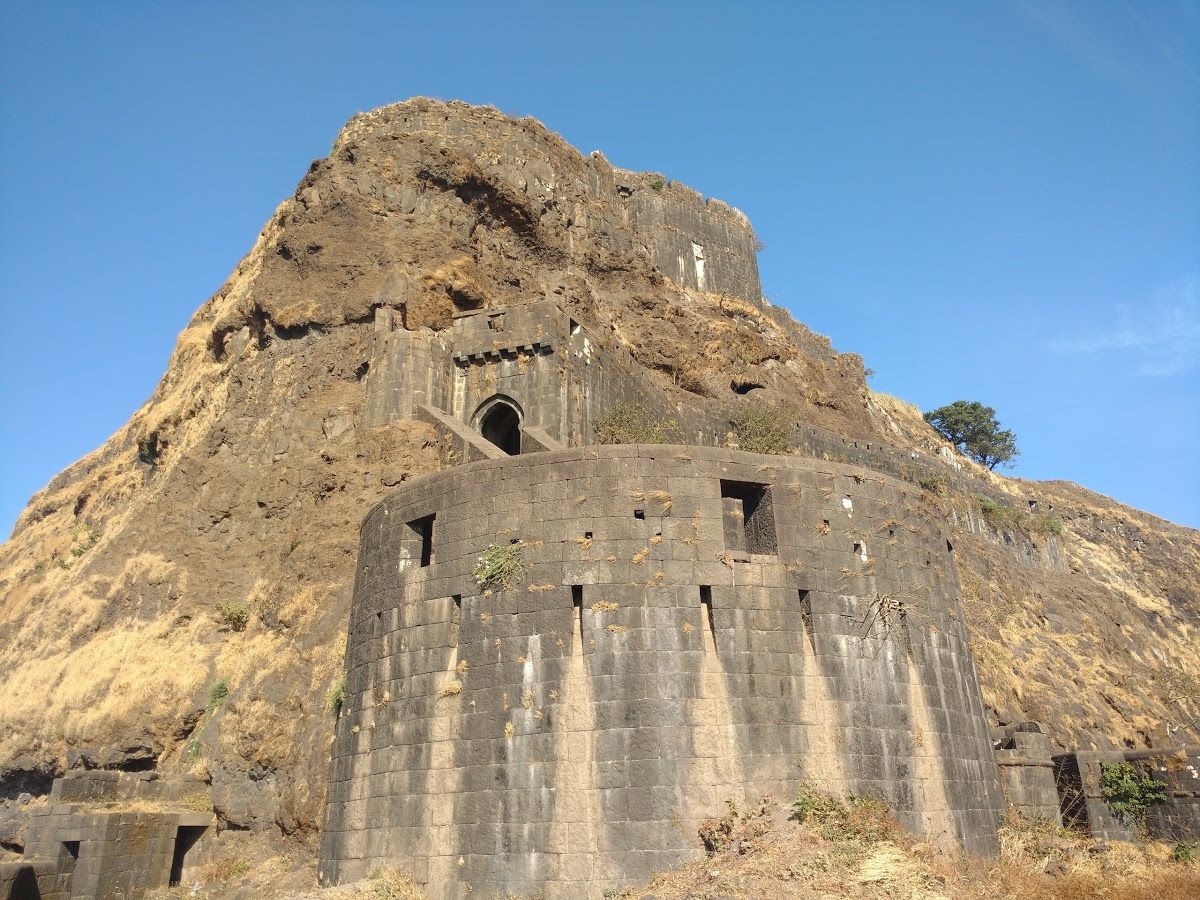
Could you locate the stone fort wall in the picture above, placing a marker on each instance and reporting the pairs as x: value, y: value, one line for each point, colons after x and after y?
x: 694, y: 624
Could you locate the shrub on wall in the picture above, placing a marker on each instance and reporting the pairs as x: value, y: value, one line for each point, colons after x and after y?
x: 500, y: 566
x: 631, y: 423
x: 335, y: 697
x: 763, y: 430
x: 1128, y: 792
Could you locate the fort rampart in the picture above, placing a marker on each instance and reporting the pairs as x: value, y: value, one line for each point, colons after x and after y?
x: 691, y: 625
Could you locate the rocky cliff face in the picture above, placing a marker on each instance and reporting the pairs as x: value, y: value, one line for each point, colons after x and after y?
x: 241, y: 483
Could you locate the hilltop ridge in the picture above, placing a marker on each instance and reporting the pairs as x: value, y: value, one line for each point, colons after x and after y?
x: 242, y: 481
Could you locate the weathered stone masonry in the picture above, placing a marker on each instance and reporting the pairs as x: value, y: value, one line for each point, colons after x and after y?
x: 664, y: 652
x: 107, y: 834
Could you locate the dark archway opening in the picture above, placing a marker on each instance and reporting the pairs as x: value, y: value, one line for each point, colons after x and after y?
x: 502, y: 426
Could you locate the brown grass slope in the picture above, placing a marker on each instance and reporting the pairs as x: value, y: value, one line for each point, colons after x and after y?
x: 242, y: 480
x: 846, y: 848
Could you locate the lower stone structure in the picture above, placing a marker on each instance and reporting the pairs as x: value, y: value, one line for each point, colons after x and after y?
x: 110, y: 835
x: 1027, y: 773
x: 1175, y: 818
x: 689, y: 625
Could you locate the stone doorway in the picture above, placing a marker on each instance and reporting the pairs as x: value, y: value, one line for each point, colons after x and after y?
x: 501, y: 424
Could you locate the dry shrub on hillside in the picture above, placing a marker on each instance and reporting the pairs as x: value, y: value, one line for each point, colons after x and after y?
x: 390, y: 884
x: 831, y: 847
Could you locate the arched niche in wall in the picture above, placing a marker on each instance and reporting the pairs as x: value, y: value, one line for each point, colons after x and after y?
x: 498, y: 419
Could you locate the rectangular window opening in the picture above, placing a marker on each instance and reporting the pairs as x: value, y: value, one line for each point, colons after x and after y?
x: 72, y: 848
x: 420, y: 533
x: 574, y: 327
x: 639, y: 514
x: 455, y: 630
x: 706, y: 613
x: 806, y: 618
x: 749, y: 517
x: 577, y: 620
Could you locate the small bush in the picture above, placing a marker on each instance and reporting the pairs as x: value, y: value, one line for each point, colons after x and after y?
x: 630, y: 423
x: 392, y: 884
x: 1128, y: 792
x: 657, y: 184
x: 736, y: 825
x: 83, y: 538
x: 217, y: 694
x: 1045, y: 525
x: 500, y: 567
x: 1005, y: 518
x: 335, y: 697
x: 997, y: 515
x: 933, y: 484
x: 763, y: 430
x: 855, y: 819
x: 234, y: 616
x: 1184, y: 852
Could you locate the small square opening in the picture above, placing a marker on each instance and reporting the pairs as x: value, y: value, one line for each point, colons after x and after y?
x: 639, y: 514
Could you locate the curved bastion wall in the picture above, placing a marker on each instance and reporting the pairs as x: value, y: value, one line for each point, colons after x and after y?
x: 692, y: 625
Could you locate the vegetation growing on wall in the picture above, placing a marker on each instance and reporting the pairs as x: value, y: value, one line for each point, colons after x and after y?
x: 1128, y: 792
x: 761, y: 429
x: 1007, y: 518
x: 335, y: 697
x: 500, y: 567
x: 631, y: 423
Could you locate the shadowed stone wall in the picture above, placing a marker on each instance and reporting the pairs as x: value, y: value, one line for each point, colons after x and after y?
x: 534, y: 356
x: 112, y: 834
x: 569, y: 734
x: 1027, y: 773
x: 1175, y: 818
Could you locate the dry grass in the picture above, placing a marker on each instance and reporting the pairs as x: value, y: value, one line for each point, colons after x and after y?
x: 390, y: 884
x: 664, y: 500
x: 855, y: 849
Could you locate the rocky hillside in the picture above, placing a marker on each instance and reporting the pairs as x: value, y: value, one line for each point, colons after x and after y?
x: 209, y: 545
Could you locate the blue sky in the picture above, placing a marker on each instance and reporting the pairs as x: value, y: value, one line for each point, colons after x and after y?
x: 997, y: 202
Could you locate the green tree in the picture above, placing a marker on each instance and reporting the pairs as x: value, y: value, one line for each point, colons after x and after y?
x: 972, y: 428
